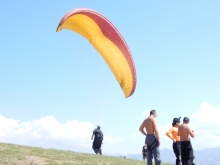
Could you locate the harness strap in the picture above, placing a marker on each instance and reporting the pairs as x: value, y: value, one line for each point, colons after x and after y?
x: 148, y: 147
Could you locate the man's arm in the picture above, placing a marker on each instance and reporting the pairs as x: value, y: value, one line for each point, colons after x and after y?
x: 156, y: 131
x: 141, y: 129
x: 191, y: 132
x: 92, y: 136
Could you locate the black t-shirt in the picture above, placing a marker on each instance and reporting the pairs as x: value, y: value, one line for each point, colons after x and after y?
x: 98, y: 135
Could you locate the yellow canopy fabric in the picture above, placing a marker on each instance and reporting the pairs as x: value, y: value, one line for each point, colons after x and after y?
x: 106, y: 39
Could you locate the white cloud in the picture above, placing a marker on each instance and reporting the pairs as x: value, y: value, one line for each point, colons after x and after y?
x: 146, y: 113
x: 134, y: 135
x: 207, y: 114
x: 46, y: 128
x: 49, y: 132
x: 205, y: 122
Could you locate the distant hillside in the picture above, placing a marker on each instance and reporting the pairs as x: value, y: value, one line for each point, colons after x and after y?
x: 209, y: 156
x: 23, y: 155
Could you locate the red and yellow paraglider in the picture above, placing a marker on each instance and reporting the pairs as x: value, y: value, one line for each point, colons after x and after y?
x: 106, y: 39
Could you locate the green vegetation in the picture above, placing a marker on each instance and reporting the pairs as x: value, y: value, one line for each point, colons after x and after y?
x: 11, y: 154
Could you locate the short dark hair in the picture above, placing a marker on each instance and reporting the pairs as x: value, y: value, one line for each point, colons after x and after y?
x: 185, y: 119
x: 152, y: 112
x: 98, y: 127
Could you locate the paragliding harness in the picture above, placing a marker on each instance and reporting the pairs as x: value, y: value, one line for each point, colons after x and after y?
x: 98, y: 139
x: 99, y: 136
x: 149, y: 146
x: 97, y: 142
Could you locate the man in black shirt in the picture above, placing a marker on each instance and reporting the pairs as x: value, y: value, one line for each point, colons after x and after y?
x: 97, y: 140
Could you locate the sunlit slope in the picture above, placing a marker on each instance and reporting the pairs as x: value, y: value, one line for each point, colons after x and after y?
x: 23, y: 155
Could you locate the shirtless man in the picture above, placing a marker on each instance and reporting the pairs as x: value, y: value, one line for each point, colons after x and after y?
x: 152, y: 138
x: 186, y: 147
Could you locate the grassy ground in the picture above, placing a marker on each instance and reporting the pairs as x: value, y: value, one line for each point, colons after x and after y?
x: 11, y: 154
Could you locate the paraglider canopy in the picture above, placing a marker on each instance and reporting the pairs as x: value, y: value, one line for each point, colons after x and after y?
x: 107, y: 40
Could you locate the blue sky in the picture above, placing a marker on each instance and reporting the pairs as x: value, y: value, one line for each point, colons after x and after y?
x: 50, y: 78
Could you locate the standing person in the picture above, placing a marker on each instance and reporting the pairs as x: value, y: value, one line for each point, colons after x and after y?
x: 152, y: 138
x: 96, y: 146
x: 172, y: 133
x: 186, y: 147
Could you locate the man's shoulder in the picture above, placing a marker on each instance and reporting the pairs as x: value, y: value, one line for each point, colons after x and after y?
x: 151, y: 120
x: 148, y: 119
x: 183, y: 127
x: 145, y: 119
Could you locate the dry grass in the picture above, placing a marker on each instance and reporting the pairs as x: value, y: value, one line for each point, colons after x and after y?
x: 11, y: 154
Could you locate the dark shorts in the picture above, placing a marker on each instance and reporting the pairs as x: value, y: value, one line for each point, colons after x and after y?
x: 187, y: 153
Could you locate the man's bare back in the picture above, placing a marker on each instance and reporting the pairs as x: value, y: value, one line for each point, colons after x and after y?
x: 187, y: 155
x: 150, y: 126
x: 185, y: 132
